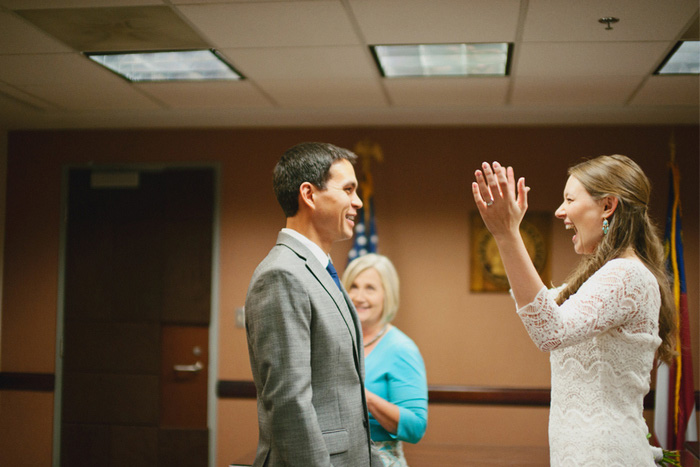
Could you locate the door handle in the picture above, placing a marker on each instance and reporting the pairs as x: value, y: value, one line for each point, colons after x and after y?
x: 197, y: 367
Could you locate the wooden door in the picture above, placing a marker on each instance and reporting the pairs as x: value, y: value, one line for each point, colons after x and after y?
x: 136, y: 318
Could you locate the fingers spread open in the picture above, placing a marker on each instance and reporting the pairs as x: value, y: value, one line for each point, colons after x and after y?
x: 510, y: 175
x: 522, y: 193
x: 480, y: 189
x: 492, y: 179
x: 478, y: 199
x: 501, y: 179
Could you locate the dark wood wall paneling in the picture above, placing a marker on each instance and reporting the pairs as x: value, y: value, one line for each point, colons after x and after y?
x: 437, y: 394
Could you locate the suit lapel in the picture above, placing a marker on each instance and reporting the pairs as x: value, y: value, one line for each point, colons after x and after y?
x: 342, y: 301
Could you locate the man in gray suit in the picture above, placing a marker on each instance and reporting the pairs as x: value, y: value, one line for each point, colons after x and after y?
x: 304, y: 337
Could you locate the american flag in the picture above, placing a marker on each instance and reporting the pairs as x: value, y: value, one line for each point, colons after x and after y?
x: 674, y: 417
x: 365, y: 240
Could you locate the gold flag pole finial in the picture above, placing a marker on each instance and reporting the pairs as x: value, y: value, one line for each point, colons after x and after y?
x: 367, y: 150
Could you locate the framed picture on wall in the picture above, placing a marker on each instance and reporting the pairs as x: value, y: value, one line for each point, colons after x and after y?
x: 487, y: 271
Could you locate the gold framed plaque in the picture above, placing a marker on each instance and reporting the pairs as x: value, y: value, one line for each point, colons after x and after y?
x: 487, y: 271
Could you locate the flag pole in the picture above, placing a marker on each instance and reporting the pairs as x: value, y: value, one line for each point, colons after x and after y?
x: 367, y: 150
x: 672, y: 146
x: 365, y: 236
x: 675, y: 417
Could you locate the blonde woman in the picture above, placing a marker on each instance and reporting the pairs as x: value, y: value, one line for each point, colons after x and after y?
x: 395, y: 381
x: 606, y: 324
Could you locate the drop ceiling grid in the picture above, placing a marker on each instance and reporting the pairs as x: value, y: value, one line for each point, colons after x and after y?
x: 307, y: 62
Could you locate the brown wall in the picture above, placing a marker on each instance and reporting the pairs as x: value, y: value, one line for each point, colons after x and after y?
x: 423, y: 202
x: 3, y: 184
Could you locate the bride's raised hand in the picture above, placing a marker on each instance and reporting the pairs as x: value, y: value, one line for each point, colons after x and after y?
x: 501, y: 202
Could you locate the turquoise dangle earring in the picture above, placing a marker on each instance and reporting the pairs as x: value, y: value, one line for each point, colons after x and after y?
x: 606, y: 226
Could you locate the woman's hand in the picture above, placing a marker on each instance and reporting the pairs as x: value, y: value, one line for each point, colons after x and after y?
x: 386, y: 413
x: 501, y: 208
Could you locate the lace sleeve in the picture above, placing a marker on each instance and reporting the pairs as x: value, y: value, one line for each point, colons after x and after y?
x: 610, y: 298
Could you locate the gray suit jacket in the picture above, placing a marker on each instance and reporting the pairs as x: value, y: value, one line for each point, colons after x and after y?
x: 304, y: 343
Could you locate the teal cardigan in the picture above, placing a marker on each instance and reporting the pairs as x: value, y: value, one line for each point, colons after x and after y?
x: 395, y: 371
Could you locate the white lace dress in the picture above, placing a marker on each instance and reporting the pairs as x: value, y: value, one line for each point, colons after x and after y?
x: 602, y: 342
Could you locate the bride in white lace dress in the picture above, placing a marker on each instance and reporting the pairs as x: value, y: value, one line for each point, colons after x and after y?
x: 606, y: 324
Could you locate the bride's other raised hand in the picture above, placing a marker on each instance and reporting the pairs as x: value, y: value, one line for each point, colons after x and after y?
x: 501, y: 202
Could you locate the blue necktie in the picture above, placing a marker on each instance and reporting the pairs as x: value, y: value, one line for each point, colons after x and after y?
x: 334, y: 274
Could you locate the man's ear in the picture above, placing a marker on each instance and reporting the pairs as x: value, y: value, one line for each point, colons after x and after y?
x: 306, y: 194
x: 609, y: 205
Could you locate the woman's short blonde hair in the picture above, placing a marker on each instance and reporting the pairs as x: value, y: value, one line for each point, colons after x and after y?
x: 387, y: 274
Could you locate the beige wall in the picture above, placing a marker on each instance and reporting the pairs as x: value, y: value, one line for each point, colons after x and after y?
x: 423, y: 202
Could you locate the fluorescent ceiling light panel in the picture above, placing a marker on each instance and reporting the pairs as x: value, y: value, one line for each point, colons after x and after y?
x: 443, y: 59
x: 683, y: 60
x: 188, y: 65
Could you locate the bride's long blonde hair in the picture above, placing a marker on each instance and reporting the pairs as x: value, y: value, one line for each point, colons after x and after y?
x: 630, y: 226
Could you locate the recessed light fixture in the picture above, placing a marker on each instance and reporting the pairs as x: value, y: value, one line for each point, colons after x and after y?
x: 684, y: 59
x: 484, y: 59
x: 182, y: 65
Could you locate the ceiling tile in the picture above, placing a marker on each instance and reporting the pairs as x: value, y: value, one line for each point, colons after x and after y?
x: 580, y: 91
x: 693, y: 31
x: 37, y: 4
x: 70, y: 81
x: 669, y: 90
x: 436, y: 21
x: 572, y: 59
x: 278, y: 24
x: 303, y: 63
x: 17, y: 36
x: 116, y: 29
x: 79, y: 96
x: 20, y: 70
x: 325, y: 93
x: 558, y: 20
x: 23, y: 100
x: 12, y: 112
x: 207, y: 95
x: 431, y: 92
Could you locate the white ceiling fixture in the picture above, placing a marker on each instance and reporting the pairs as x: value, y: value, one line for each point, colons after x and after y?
x: 491, y: 59
x: 184, y: 65
x: 683, y: 60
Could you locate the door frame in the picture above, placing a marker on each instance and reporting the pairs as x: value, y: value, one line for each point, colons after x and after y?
x: 213, y: 314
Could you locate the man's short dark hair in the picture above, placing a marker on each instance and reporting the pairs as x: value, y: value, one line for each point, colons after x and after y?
x: 305, y: 162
